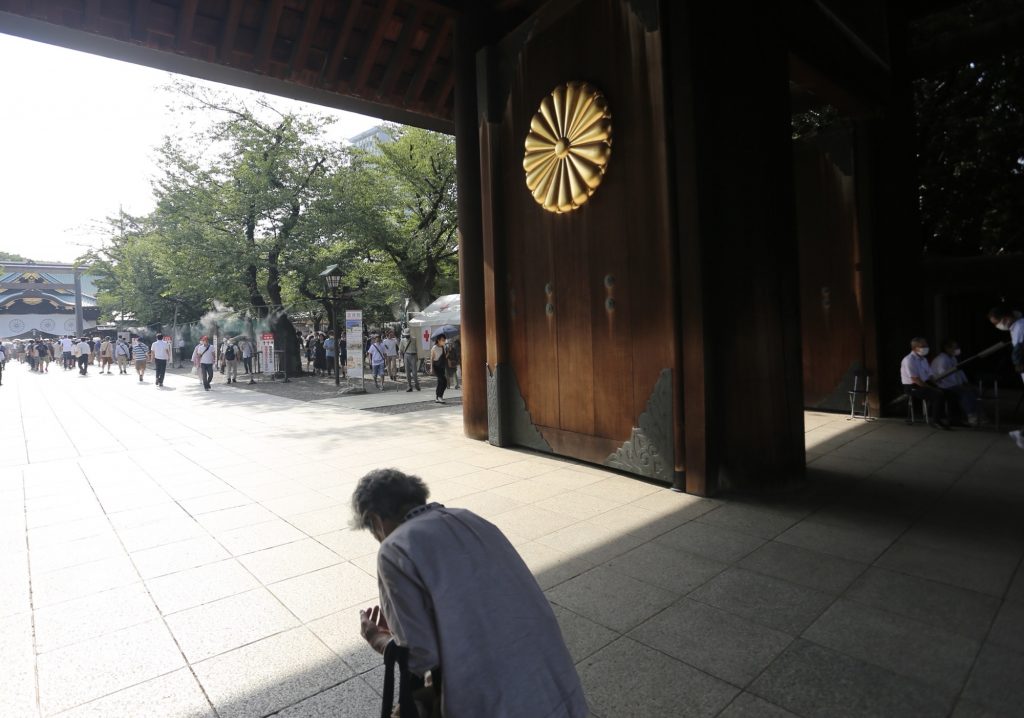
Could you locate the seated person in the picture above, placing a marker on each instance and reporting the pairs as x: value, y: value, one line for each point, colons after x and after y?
x: 458, y: 596
x: 953, y: 381
x: 916, y: 373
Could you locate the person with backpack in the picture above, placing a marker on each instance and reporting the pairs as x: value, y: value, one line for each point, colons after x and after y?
x: 231, y: 356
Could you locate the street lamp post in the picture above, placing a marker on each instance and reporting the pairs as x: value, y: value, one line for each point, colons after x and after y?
x: 332, y: 281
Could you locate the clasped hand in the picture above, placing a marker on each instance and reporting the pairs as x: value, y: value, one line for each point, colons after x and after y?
x: 374, y: 628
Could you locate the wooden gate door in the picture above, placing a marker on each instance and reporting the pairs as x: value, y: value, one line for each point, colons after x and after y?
x: 581, y: 336
x: 832, y: 312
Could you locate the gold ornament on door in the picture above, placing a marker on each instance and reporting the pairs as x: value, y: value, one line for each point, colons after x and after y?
x: 568, y: 147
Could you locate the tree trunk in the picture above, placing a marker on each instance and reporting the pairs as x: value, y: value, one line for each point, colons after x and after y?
x: 285, y: 337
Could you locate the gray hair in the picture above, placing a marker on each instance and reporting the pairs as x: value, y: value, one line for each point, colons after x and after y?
x: 386, y: 492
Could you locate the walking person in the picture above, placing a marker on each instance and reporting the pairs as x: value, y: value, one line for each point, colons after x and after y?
x: 231, y: 361
x: 202, y: 358
x: 44, y: 355
x: 106, y: 354
x: 121, y: 354
x: 330, y: 348
x: 453, y: 350
x: 310, y: 352
x: 140, y: 353
x: 66, y: 345
x: 439, y: 365
x: 390, y: 345
x: 83, y: 356
x: 410, y: 357
x: 246, y: 346
x: 377, y: 361
x: 161, y: 351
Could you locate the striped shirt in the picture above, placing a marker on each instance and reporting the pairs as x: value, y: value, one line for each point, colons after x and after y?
x: 140, y: 351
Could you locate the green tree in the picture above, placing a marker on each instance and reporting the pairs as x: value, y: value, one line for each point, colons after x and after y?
x: 399, y: 201
x: 9, y: 257
x: 970, y: 122
x: 134, y: 276
x: 233, y: 207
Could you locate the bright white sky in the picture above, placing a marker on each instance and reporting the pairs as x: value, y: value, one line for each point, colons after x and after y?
x: 77, y: 139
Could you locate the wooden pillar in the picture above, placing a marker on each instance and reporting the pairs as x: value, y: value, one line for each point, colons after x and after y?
x: 471, y: 276
x: 902, y: 307
x: 728, y: 104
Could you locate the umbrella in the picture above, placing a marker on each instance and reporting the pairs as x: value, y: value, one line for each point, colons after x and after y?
x: 449, y: 330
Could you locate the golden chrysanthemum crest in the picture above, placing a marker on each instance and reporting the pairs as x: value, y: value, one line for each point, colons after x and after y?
x: 568, y: 147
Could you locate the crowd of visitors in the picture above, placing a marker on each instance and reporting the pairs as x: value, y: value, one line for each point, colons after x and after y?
x: 104, y: 352
x: 386, y: 354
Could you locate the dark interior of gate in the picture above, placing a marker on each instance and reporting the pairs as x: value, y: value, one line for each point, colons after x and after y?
x: 671, y: 305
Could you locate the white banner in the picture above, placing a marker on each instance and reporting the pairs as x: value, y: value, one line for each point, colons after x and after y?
x: 267, y: 352
x: 354, y: 343
x: 12, y: 325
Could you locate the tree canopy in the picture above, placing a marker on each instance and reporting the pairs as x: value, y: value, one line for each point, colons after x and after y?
x: 254, y: 205
x: 970, y: 126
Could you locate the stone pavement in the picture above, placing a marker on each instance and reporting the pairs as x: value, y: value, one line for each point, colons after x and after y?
x: 175, y: 552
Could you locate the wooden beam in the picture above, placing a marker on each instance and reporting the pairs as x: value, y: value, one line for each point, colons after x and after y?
x: 227, y: 38
x: 410, y: 26
x: 268, y: 32
x: 446, y: 90
x: 35, y: 286
x: 309, y: 22
x: 186, y: 19
x: 370, y: 51
x: 338, y: 51
x: 419, y: 80
x: 140, y: 19
x: 91, y: 14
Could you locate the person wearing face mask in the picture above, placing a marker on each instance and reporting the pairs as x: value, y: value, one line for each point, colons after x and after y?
x: 916, y: 375
x: 952, y: 380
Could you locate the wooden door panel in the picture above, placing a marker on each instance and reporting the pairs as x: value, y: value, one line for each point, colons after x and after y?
x: 573, y: 252
x: 589, y: 305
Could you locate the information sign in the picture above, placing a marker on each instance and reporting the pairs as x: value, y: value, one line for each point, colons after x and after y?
x: 354, y: 343
x: 267, y: 352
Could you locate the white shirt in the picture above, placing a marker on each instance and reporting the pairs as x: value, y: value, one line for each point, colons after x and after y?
x: 65, y: 344
x: 914, y: 366
x: 1017, y: 332
x: 121, y: 349
x: 84, y: 348
x: 943, y: 363
x: 452, y: 587
x: 205, y: 355
x: 390, y: 347
x: 161, y: 350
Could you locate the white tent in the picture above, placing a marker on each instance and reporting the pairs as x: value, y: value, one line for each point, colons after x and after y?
x: 443, y: 310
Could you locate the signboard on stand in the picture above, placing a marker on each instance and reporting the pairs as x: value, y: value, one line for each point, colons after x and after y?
x: 267, y: 352
x: 354, y: 343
